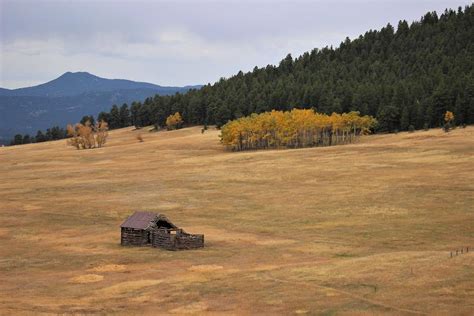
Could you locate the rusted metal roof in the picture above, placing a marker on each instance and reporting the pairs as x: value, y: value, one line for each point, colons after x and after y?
x: 140, y: 220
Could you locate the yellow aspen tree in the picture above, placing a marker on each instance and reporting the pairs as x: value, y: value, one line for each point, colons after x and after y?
x: 294, y: 129
x: 174, y: 121
x: 87, y: 136
x: 448, y: 120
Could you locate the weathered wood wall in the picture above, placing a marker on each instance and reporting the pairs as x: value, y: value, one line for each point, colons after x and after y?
x: 161, y: 238
x: 134, y: 237
x: 189, y: 241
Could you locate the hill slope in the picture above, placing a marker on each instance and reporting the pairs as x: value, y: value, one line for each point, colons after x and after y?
x: 363, y: 229
x: 67, y: 98
x: 405, y: 76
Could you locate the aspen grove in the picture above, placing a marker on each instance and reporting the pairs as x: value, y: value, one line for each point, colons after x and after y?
x: 294, y: 129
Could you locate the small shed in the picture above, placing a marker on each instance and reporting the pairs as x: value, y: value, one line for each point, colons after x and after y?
x: 156, y: 230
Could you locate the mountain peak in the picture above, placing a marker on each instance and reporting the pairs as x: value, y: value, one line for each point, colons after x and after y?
x: 78, y: 74
x: 76, y: 83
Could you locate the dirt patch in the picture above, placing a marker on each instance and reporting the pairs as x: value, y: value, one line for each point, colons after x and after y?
x: 205, y: 268
x: 384, y: 211
x: 31, y: 207
x: 274, y: 242
x: 109, y: 268
x: 266, y: 267
x: 190, y: 309
x: 87, y: 278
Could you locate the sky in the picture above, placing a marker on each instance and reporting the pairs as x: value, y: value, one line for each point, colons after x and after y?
x: 180, y: 42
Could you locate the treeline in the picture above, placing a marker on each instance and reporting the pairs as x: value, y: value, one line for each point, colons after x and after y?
x: 406, y: 77
x: 53, y: 133
x: 294, y: 129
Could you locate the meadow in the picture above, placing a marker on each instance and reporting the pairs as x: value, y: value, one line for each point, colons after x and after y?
x: 364, y: 228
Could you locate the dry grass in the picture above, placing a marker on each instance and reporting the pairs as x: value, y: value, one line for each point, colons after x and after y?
x: 360, y: 229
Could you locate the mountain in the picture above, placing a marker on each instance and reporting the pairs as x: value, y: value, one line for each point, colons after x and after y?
x: 75, y: 83
x: 407, y: 77
x: 66, y: 99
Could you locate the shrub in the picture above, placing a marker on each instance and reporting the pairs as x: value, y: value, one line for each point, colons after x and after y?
x: 87, y: 136
x: 411, y: 129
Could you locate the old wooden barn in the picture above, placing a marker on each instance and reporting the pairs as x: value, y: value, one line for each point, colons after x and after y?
x: 156, y: 230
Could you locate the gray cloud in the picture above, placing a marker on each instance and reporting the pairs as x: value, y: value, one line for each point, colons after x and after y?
x: 178, y: 42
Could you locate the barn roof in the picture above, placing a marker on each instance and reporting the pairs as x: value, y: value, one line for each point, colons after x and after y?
x: 139, y: 220
x: 143, y: 220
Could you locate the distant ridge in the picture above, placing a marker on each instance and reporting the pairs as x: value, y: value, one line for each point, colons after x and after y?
x: 67, y: 98
x: 75, y: 83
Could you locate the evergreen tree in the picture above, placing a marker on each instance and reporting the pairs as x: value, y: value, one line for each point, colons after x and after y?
x: 388, y: 119
x: 135, y: 114
x: 104, y: 116
x: 115, y: 118
x: 17, y: 140
x: 40, y: 137
x: 405, y: 119
x: 48, y: 134
x: 87, y: 118
x: 124, y: 116
x: 26, y: 139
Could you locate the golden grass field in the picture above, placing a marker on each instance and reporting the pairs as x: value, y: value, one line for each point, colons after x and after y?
x: 359, y: 229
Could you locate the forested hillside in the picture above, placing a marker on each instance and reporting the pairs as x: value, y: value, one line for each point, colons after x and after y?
x: 405, y: 76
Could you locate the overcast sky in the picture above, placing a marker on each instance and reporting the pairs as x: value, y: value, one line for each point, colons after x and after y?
x: 179, y: 42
